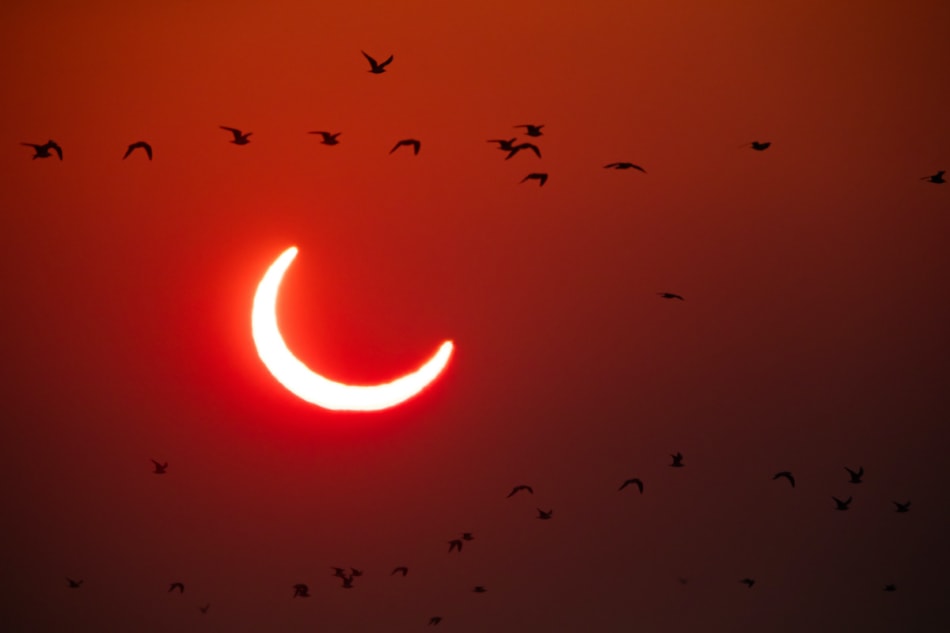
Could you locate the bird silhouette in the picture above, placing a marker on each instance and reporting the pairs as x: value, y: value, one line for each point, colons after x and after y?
x: 520, y: 146
x: 545, y: 515
x: 134, y: 146
x: 503, y: 144
x: 301, y: 591
x: 890, y: 587
x: 400, y: 570
x: 541, y: 178
x: 531, y: 130
x: 240, y: 138
x: 467, y: 536
x: 855, y: 474
x: 407, y: 141
x: 205, y: 608
x: 624, y: 165
x: 671, y: 295
x: 74, y: 584
x: 455, y: 543
x: 636, y: 482
x: 519, y: 488
x: 377, y: 68
x: 160, y: 468
x: 787, y: 475
x: 902, y: 507
x: 748, y: 582
x: 176, y: 585
x: 842, y: 505
x: 937, y: 178
x: 328, y: 138
x: 677, y: 460
x: 759, y: 147
x: 42, y: 151
x: 434, y: 620
x: 479, y: 589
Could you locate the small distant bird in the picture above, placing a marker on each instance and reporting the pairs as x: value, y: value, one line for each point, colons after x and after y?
x: 338, y: 571
x: 760, y: 147
x: 677, y: 460
x: 531, y: 130
x: 240, y: 138
x: 520, y: 146
x: 683, y: 581
x: 408, y: 141
x: 435, y: 620
x: 136, y: 145
x: 902, y: 507
x: 787, y: 475
x: 671, y: 295
x: 400, y: 570
x: 347, y: 582
x: 545, y: 515
x: 356, y: 573
x: 479, y: 589
x: 541, y: 178
x: 74, y: 584
x: 467, y: 536
x: 455, y: 543
x: 748, y: 582
x: 503, y: 144
x: 301, y: 591
x: 855, y: 474
x: 937, y: 178
x: 160, y: 468
x: 377, y: 68
x: 636, y: 482
x: 842, y: 505
x: 519, y: 488
x: 205, y: 608
x: 176, y: 585
x: 890, y: 587
x: 42, y: 151
x: 625, y: 165
x: 328, y: 138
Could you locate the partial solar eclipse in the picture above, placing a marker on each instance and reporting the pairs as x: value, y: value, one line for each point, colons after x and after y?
x: 310, y: 386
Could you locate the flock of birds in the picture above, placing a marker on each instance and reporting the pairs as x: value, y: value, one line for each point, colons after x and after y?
x: 512, y: 148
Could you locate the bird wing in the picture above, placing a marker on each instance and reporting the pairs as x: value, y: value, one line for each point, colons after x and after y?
x: 387, y: 62
x: 56, y: 148
x: 369, y: 58
x: 148, y: 150
x: 128, y: 151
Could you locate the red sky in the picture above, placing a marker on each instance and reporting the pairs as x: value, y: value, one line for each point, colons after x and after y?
x: 812, y: 337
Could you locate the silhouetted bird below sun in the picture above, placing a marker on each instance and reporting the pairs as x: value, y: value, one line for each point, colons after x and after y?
x: 408, y: 141
x: 842, y: 505
x: 625, y: 165
x: 531, y: 130
x: 520, y: 146
x: 134, y: 146
x: 240, y: 138
x: 760, y: 147
x: 541, y: 178
x: 454, y: 544
x: 677, y: 460
x: 377, y: 68
x: 786, y: 475
x: 434, y: 620
x: 748, y: 582
x: 176, y: 585
x: 937, y: 178
x: 503, y: 144
x: 301, y: 591
x: 671, y: 295
x: 160, y: 468
x: 328, y: 139
x: 400, y: 570
x: 42, y: 151
x: 902, y: 507
x: 545, y: 515
x: 636, y: 482
x: 518, y: 489
x: 855, y: 474
x: 74, y: 584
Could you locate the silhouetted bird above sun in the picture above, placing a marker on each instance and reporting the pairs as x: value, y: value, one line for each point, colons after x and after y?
x: 635, y: 482
x: 176, y: 585
x: 624, y: 165
x: 301, y: 591
x: 531, y: 130
x: 407, y: 141
x: 902, y: 507
x: 204, y: 609
x: 160, y: 468
x: 240, y: 138
x: 400, y: 570
x: 748, y: 582
x: 760, y: 147
x: 74, y: 584
x: 671, y: 295
x: 479, y: 589
x: 42, y: 151
x: 377, y: 68
x: 434, y: 620
x: 855, y: 474
x: 677, y: 460
x: 545, y: 515
x: 520, y: 146
x: 328, y: 138
x: 937, y: 178
x: 454, y: 544
x: 134, y: 146
x: 519, y: 488
x: 541, y: 178
x: 786, y: 475
x: 842, y: 505
x: 503, y: 144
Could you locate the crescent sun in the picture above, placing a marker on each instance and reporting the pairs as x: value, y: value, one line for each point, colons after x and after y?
x: 310, y: 386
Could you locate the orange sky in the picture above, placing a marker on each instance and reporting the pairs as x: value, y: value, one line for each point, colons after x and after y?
x: 813, y: 335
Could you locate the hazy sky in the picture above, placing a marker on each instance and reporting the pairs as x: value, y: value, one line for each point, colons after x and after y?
x: 813, y: 334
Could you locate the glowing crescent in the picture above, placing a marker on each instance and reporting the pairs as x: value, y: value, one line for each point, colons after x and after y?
x: 311, y: 386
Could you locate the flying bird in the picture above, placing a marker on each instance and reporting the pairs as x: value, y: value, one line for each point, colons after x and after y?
x: 855, y: 474
x: 407, y: 141
x: 545, y: 515
x: 479, y: 589
x: 42, y: 151
x: 176, y: 585
x: 759, y: 147
x: 890, y: 587
x: 435, y: 620
x: 677, y: 460
x: 902, y: 507
x: 301, y: 591
x: 328, y: 138
x: 205, y: 608
x: 377, y: 68
x: 503, y: 144
x: 625, y: 165
x: 74, y: 584
x: 541, y: 178
x: 636, y: 482
x: 748, y: 582
x: 455, y: 543
x: 519, y: 488
x: 240, y: 138
x: 160, y: 468
x: 671, y: 295
x: 842, y: 505
x: 937, y: 178
x: 134, y: 146
x: 400, y: 570
x: 787, y: 475
x: 531, y: 130
x: 520, y: 146
x: 467, y: 536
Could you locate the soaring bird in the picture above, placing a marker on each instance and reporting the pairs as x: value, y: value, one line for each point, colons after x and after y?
x: 901, y: 507
x: 519, y: 488
x: 842, y: 505
x: 759, y: 147
x: 787, y: 475
x: 855, y: 474
x: 671, y: 295
x: 479, y: 589
x: 301, y: 591
x: 937, y: 178
x: 136, y: 145
x: 240, y: 138
x: 748, y: 582
x: 545, y: 515
x: 520, y: 146
x: 636, y: 482
x: 377, y: 68
x: 455, y: 543
x: 160, y: 468
x: 328, y: 138
x: 205, y: 608
x: 42, y: 151
x: 176, y: 585
x: 541, y: 178
x: 435, y: 620
x: 677, y: 460
x: 503, y: 144
x: 531, y: 130
x: 400, y: 570
x: 74, y: 584
x: 407, y: 141
x: 624, y: 165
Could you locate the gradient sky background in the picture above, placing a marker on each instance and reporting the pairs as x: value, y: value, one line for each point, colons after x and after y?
x: 813, y: 335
